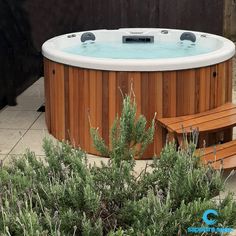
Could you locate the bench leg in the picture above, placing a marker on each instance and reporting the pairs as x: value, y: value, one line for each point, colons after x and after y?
x: 228, y: 135
x: 181, y: 140
x: 170, y: 137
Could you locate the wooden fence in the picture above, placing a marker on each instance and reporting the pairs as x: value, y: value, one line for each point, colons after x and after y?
x: 54, y: 17
x: 26, y: 24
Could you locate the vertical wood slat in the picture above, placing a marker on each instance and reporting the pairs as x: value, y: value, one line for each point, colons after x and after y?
x: 51, y: 97
x: 181, y: 92
x: 159, y: 138
x: 197, y: 91
x: 204, y: 96
x: 213, y: 86
x: 169, y: 94
x: 229, y: 75
x: 221, y: 84
x: 134, y: 79
x: 57, y: 106
x: 145, y: 109
x: 204, y: 88
x: 74, y: 94
x: 79, y: 90
x: 92, y: 105
x: 73, y: 108
x: 66, y: 102
x: 151, y: 97
x: 86, y: 110
x: 191, y: 92
x: 60, y: 96
x: 121, y: 90
x: 98, y: 106
x: 105, y: 106
x: 112, y: 98
x: 47, y: 93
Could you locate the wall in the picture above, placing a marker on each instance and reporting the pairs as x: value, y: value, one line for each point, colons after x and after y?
x: 230, y: 19
x: 26, y: 24
x: 55, y: 17
x: 20, y: 62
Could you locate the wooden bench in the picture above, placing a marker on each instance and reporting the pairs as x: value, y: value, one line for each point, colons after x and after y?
x: 211, y: 121
x: 219, y: 156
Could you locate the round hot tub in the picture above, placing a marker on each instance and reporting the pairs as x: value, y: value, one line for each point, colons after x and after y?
x: 172, y: 73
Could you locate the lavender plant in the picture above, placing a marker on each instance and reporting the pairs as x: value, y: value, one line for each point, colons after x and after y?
x: 64, y: 195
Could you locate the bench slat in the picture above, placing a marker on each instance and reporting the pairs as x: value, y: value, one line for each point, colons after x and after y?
x: 229, y: 163
x: 173, y: 120
x: 225, y: 152
x: 219, y: 147
x: 211, y: 121
x: 210, y: 125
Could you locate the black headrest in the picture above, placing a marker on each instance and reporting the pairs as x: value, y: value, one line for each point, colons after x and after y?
x: 87, y: 36
x: 188, y: 36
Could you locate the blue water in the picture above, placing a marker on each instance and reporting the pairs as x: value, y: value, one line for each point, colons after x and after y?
x: 156, y: 50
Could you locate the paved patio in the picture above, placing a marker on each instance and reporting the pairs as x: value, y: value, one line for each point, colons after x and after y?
x: 22, y: 127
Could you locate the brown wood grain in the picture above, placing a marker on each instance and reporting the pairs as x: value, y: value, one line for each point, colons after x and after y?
x: 86, y: 111
x: 92, y: 105
x: 77, y: 98
x: 211, y: 121
x: 173, y: 120
x: 47, y: 94
x: 105, y: 106
x: 169, y: 94
x: 112, y: 99
x: 220, y: 156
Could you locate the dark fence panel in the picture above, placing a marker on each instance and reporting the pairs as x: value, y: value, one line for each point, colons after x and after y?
x: 55, y: 17
x: 20, y: 61
x: 26, y: 24
x: 200, y: 15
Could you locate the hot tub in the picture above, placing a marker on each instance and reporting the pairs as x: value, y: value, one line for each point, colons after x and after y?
x: 172, y: 73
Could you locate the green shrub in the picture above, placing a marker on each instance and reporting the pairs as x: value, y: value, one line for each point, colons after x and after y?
x: 63, y: 195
